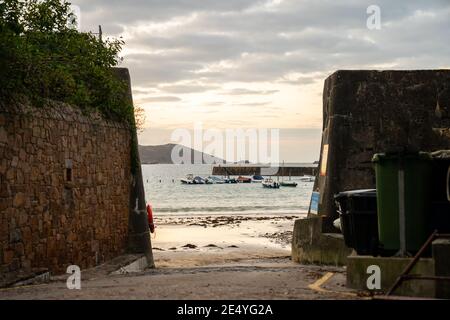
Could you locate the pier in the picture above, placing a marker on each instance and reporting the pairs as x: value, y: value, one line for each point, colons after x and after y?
x: 287, y: 170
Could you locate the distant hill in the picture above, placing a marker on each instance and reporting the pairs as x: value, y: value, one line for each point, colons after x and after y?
x: 163, y: 154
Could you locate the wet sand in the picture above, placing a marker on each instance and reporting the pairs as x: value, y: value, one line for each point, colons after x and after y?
x: 204, y: 240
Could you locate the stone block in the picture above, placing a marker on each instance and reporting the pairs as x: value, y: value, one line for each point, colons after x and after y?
x: 441, y: 256
x: 19, y: 200
x: 310, y: 245
x: 391, y: 268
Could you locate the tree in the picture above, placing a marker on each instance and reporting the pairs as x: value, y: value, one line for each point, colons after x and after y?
x: 42, y: 56
x: 139, y: 115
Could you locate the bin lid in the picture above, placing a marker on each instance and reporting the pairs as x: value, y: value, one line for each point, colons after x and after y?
x: 405, y: 155
x: 357, y: 193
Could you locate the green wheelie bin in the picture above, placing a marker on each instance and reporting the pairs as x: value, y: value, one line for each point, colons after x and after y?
x: 403, y: 196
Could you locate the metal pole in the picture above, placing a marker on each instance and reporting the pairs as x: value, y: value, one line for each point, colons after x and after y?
x: 401, y: 212
x: 100, y: 33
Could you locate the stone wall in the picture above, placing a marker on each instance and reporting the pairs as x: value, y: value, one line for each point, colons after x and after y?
x: 65, y: 188
x: 366, y: 112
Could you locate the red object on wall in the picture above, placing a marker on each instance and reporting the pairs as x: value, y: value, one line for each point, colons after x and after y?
x: 151, y: 225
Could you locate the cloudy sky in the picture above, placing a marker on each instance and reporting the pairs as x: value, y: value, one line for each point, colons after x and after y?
x: 260, y: 63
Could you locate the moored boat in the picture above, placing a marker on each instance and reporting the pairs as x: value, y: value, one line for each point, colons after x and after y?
x: 199, y: 180
x: 242, y: 179
x: 288, y: 183
x: 269, y: 183
x: 257, y: 178
x: 214, y: 180
x: 188, y: 180
x: 230, y: 180
x: 307, y: 178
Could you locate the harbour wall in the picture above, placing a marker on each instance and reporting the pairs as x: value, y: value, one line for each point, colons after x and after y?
x: 258, y: 170
x: 71, y: 190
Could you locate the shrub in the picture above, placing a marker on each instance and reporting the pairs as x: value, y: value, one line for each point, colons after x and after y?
x: 43, y: 56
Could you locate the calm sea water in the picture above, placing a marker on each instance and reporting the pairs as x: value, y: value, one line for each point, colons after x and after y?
x: 169, y: 197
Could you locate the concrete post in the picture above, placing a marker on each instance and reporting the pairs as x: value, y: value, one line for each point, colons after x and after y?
x: 139, y: 233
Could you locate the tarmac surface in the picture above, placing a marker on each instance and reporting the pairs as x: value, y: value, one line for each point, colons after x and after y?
x: 265, y: 279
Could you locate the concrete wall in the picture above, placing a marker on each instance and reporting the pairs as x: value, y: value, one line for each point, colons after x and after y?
x: 48, y: 220
x: 366, y: 112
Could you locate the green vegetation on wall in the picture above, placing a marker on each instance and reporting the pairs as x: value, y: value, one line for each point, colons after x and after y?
x: 43, y: 56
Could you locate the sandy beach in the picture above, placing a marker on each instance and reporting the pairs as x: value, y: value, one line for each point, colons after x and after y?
x: 208, y: 257
x: 181, y: 241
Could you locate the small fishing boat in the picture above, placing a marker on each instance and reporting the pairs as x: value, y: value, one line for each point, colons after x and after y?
x: 307, y: 178
x: 199, y: 180
x: 230, y: 180
x: 214, y: 180
x: 242, y: 179
x: 269, y: 183
x: 257, y: 178
x: 288, y: 183
x: 188, y: 180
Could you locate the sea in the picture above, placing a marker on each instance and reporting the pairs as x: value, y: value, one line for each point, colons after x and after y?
x: 168, y: 196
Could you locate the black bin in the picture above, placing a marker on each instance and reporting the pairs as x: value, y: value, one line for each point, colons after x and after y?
x: 359, y: 222
x: 440, y: 197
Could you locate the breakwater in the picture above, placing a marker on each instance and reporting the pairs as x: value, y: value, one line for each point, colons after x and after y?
x: 236, y: 170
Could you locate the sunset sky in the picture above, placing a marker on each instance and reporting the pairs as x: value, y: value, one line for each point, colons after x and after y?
x: 260, y: 64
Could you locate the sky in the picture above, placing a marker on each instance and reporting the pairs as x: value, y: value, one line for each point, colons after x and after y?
x: 260, y: 63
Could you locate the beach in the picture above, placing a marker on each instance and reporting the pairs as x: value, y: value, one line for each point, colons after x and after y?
x: 181, y: 241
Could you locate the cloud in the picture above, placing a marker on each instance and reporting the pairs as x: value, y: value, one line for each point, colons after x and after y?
x: 252, y: 104
x: 159, y: 99
x: 183, y: 50
x: 187, y: 88
x: 244, y: 92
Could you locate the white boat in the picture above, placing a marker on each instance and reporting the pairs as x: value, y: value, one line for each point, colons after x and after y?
x: 269, y: 183
x: 188, y: 180
x: 214, y: 180
x: 307, y: 178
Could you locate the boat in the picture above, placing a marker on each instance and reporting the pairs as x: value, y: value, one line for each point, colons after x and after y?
x: 269, y: 183
x: 288, y: 183
x: 199, y: 180
x: 230, y: 180
x: 214, y: 180
x: 307, y: 178
x: 257, y: 178
x: 188, y: 180
x: 242, y: 179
